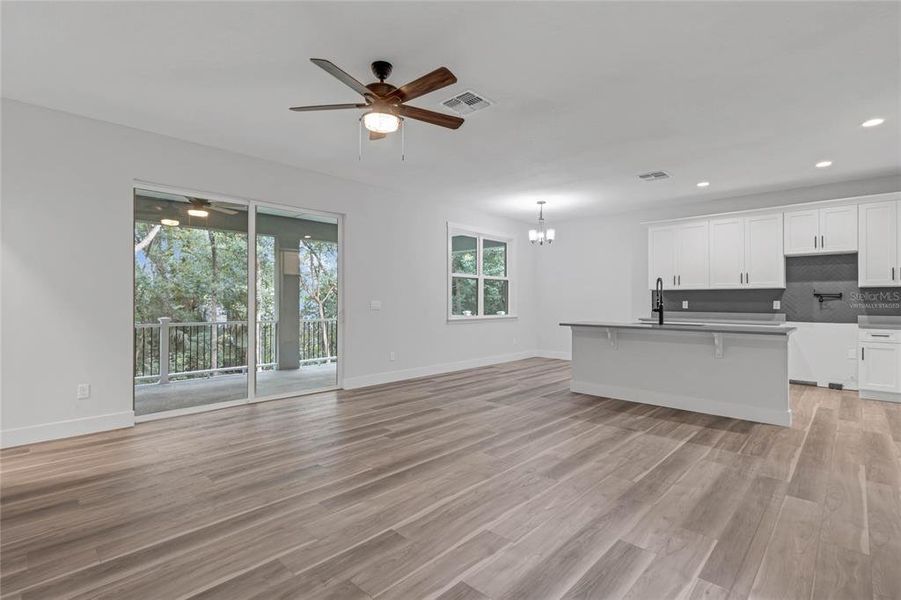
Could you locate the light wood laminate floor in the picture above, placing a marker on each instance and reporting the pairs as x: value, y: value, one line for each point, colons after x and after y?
x: 490, y: 483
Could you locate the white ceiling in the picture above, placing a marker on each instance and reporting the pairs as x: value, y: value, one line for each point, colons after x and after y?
x: 746, y: 95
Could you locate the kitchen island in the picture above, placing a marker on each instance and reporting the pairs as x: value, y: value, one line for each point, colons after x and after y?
x: 730, y: 370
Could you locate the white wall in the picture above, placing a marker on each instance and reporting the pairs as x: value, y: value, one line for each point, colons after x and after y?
x: 597, y: 268
x: 67, y: 259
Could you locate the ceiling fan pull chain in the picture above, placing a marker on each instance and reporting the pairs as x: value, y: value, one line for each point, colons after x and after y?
x: 360, y: 140
x: 403, y: 141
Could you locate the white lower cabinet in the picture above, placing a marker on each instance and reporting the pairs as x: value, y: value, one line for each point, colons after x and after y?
x: 879, y: 363
x: 880, y: 367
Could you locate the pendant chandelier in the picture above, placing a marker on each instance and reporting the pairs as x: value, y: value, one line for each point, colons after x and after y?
x: 542, y: 235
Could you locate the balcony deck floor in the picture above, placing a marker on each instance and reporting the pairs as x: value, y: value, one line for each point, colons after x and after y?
x: 153, y: 398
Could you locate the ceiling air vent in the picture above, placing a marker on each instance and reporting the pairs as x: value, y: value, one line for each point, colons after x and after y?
x: 654, y: 176
x: 467, y: 102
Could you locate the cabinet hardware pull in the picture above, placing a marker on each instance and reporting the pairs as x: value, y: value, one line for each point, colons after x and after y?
x: 747, y: 277
x: 893, y: 273
x: 880, y: 335
x: 741, y: 278
x: 862, y: 355
x: 674, y: 280
x: 814, y: 241
x: 680, y: 280
x: 823, y: 242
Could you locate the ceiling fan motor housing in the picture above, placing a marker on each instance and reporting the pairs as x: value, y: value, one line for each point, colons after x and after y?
x: 381, y: 69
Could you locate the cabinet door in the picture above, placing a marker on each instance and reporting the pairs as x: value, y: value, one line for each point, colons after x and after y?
x: 692, y: 256
x: 662, y: 256
x: 879, y: 366
x: 764, y: 256
x: 838, y: 229
x: 898, y: 240
x: 727, y: 253
x: 802, y: 232
x: 877, y: 259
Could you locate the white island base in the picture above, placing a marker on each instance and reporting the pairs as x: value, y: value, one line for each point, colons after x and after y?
x: 739, y: 372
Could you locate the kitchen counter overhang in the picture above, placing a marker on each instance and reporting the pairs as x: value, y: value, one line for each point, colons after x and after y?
x: 738, y: 371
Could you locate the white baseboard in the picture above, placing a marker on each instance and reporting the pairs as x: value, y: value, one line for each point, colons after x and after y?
x: 351, y: 383
x: 883, y: 396
x: 702, y: 405
x: 63, y: 429
x: 558, y: 354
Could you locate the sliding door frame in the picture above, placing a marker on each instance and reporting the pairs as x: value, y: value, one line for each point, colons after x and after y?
x: 252, y: 206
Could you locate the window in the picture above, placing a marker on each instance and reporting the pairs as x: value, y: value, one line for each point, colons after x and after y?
x: 478, y: 275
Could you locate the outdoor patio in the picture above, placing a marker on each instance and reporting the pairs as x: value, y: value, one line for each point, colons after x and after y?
x: 156, y: 397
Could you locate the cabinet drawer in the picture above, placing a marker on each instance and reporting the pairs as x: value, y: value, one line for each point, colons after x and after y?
x: 879, y: 335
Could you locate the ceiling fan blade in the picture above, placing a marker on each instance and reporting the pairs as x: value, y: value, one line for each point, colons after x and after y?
x: 374, y: 135
x: 437, y: 79
x: 430, y: 116
x: 326, y: 107
x: 339, y: 74
x: 225, y: 211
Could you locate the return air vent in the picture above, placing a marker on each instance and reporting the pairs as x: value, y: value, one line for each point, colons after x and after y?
x: 466, y: 103
x: 654, y: 176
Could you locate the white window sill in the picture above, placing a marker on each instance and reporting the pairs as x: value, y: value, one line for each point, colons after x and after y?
x: 482, y: 318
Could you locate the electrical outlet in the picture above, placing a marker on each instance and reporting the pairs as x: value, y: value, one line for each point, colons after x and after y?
x: 392, y: 356
x: 777, y: 304
x: 83, y: 391
x: 685, y: 304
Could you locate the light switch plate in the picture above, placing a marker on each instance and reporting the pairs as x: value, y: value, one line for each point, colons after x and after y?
x: 777, y: 304
x: 685, y: 304
x: 83, y: 391
x: 375, y: 305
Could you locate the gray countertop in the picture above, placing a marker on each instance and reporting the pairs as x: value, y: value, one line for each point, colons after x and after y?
x: 879, y: 322
x: 695, y: 327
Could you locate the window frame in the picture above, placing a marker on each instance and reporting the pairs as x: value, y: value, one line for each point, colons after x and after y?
x: 454, y: 229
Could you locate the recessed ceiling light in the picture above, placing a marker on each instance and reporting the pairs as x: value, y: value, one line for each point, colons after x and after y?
x: 873, y: 122
x: 169, y: 222
x: 703, y: 183
x: 197, y: 212
x: 823, y: 164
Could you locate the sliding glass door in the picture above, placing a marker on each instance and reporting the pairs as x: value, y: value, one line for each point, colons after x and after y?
x: 297, y: 302
x: 194, y: 343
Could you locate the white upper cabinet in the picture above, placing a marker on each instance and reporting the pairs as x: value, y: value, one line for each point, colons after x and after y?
x: 692, y: 256
x: 802, y: 232
x: 838, y: 229
x: 679, y: 255
x: 830, y: 230
x: 764, y: 256
x: 727, y: 253
x: 879, y: 259
x: 662, y: 256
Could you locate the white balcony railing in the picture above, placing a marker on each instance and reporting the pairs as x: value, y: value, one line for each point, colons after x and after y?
x: 166, y: 351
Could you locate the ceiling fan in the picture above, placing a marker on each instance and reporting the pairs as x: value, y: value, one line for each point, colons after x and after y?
x: 385, y: 104
x: 201, y: 208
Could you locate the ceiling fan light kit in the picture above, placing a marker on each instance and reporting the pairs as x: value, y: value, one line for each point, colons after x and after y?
x: 386, y: 103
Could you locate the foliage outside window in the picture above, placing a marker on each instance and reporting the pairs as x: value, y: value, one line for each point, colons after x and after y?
x: 479, y: 270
